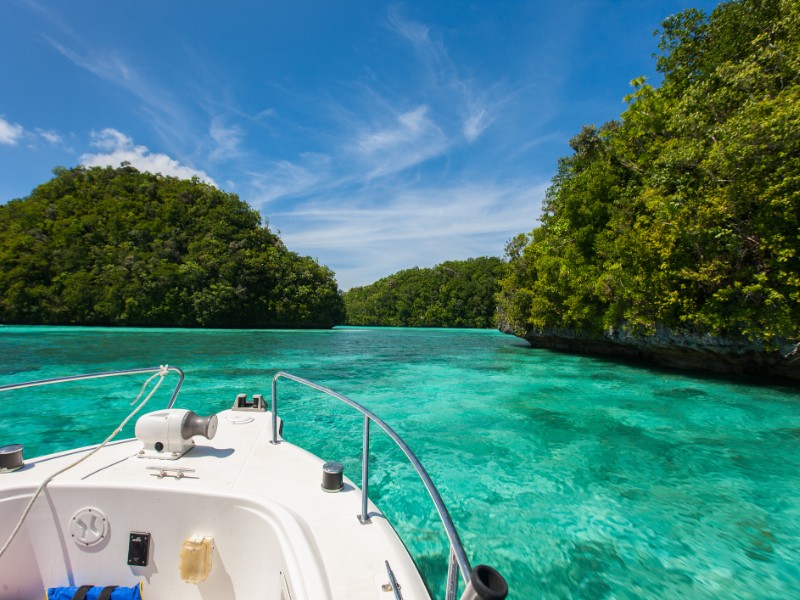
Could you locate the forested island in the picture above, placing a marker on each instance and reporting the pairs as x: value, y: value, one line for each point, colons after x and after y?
x: 104, y: 246
x: 452, y: 294
x: 673, y: 232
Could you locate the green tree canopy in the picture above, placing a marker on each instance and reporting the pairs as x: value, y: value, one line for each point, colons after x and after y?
x: 452, y: 294
x: 104, y: 246
x: 685, y: 213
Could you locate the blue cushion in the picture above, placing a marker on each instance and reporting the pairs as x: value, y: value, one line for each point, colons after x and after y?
x: 121, y: 593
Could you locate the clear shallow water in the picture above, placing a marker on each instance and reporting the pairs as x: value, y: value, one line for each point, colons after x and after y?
x: 576, y: 477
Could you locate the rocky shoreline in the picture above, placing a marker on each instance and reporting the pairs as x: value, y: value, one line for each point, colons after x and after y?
x: 677, y: 350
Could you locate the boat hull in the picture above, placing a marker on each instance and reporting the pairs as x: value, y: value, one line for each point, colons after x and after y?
x: 276, y: 534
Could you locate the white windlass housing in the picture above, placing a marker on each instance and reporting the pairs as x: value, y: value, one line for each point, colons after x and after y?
x: 168, y: 434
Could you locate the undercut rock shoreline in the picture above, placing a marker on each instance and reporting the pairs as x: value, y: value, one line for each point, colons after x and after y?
x: 676, y: 350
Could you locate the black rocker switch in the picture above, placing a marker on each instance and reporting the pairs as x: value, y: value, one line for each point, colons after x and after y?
x: 139, y: 549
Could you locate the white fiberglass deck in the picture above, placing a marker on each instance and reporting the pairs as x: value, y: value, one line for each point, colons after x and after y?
x: 276, y: 533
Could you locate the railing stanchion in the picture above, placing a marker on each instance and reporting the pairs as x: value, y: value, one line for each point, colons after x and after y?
x: 274, y: 409
x: 452, y: 576
x: 364, y: 518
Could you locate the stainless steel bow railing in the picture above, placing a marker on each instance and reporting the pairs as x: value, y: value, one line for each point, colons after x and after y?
x: 28, y: 384
x: 481, y: 583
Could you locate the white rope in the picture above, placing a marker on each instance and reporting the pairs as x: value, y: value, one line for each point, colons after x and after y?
x: 162, y: 372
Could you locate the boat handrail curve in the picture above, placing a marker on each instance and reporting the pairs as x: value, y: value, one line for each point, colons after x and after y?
x: 103, y: 374
x: 456, y: 549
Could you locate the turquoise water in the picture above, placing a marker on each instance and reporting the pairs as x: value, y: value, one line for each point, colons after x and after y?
x: 576, y: 477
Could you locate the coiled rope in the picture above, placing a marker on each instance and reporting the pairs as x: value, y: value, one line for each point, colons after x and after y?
x: 162, y: 372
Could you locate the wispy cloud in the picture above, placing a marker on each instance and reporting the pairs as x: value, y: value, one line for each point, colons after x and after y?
x: 282, y: 179
x: 50, y: 136
x: 412, y: 227
x: 385, y: 131
x: 407, y: 139
x: 432, y: 52
x: 458, y: 94
x: 117, y: 148
x: 10, y: 133
x: 423, y: 213
x: 358, y: 206
x: 408, y: 128
x: 164, y: 111
x: 160, y: 105
x: 226, y: 139
x: 475, y: 123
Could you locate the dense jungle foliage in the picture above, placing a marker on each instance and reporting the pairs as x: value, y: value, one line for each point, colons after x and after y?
x: 685, y: 213
x: 452, y: 294
x: 103, y: 246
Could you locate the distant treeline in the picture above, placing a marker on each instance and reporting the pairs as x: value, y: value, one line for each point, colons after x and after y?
x: 103, y: 246
x: 685, y: 213
x: 452, y: 294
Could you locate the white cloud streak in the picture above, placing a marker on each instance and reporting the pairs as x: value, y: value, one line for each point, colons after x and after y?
x: 474, y: 124
x: 226, y: 139
x: 459, y: 94
x: 163, y: 111
x: 108, y: 65
x: 50, y: 136
x: 116, y: 148
x: 10, y: 133
x: 283, y: 179
x: 432, y: 52
x: 409, y: 139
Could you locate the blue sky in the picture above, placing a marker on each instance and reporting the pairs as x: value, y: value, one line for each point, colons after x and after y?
x: 373, y: 136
